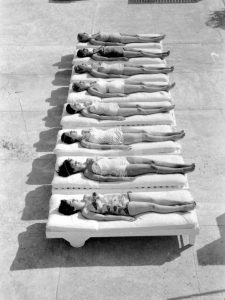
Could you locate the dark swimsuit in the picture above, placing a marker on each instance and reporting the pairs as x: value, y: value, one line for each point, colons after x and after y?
x: 111, y: 51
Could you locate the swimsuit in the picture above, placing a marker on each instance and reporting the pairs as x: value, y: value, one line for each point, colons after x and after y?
x: 115, y: 68
x: 111, y: 204
x: 112, y: 136
x: 110, y: 51
x: 107, y: 109
x: 102, y: 86
x: 106, y: 37
x: 106, y: 166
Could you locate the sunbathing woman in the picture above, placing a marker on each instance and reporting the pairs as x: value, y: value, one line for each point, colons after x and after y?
x: 118, y: 88
x: 114, y: 111
x: 116, y: 38
x: 116, y: 137
x: 119, y: 70
x: 112, y: 169
x: 118, y: 53
x: 114, y: 207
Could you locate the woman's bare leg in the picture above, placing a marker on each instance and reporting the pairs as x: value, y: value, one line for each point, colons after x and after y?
x: 126, y: 112
x: 132, y: 138
x: 157, y: 88
x: 155, y: 70
x: 143, y: 197
x: 136, y: 208
x: 135, y: 53
x: 173, y: 170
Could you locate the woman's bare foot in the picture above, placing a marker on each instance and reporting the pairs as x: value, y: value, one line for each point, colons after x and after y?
x: 170, y: 86
x: 166, y: 109
x: 178, y: 136
x: 188, y: 207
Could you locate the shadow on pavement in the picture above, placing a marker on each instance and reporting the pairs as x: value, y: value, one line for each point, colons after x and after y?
x: 37, y: 252
x: 213, y: 253
x: 37, y: 203
x: 217, y: 19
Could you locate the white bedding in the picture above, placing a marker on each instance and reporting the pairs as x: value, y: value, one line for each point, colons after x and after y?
x: 145, y: 148
x: 74, y: 97
x: 151, y: 78
x: 78, y: 181
x: 76, y: 121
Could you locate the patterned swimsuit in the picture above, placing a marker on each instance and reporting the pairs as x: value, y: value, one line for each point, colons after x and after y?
x: 111, y: 204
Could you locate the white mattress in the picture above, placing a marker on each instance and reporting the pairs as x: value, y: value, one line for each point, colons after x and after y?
x: 153, y: 46
x: 76, y: 121
x: 134, y: 61
x: 145, y: 148
x: 74, y: 97
x: 151, y: 78
x: 157, y: 181
x: 143, y: 224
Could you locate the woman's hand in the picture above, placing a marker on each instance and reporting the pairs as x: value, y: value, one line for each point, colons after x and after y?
x: 127, y: 147
x: 130, y: 219
x: 121, y: 118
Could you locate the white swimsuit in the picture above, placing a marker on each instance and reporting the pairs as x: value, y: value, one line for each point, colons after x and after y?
x: 102, y: 86
x: 110, y: 166
x: 112, y: 136
x: 107, y: 109
x: 115, y: 68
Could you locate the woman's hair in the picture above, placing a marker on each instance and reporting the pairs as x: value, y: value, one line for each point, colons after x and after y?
x: 77, y: 88
x: 82, y: 37
x: 67, y: 139
x: 83, y: 53
x: 65, y: 169
x: 70, y: 110
x: 66, y: 209
x: 80, y: 69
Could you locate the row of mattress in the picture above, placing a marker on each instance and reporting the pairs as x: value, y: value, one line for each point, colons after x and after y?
x: 75, y: 228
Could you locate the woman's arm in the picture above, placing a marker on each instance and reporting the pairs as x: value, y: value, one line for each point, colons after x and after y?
x: 93, y: 92
x: 99, y: 57
x: 132, y: 130
x: 89, y: 145
x: 97, y: 74
x: 101, y: 178
x: 87, y: 114
x: 98, y: 217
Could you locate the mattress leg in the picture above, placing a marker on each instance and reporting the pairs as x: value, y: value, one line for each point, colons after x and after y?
x: 192, y: 238
x: 77, y: 241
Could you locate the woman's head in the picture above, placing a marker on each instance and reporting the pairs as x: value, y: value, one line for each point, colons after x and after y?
x: 83, y: 37
x: 70, y: 167
x: 82, y: 68
x: 71, y: 137
x: 80, y: 86
x: 69, y: 207
x: 85, y: 52
x: 74, y: 108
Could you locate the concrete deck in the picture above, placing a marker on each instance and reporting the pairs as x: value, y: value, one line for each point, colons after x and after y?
x: 37, y: 40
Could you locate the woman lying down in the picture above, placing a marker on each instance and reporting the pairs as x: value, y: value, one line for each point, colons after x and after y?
x: 118, y: 88
x: 110, y: 169
x: 114, y: 111
x: 113, y: 207
x: 119, y: 70
x: 117, y: 38
x: 116, y: 137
